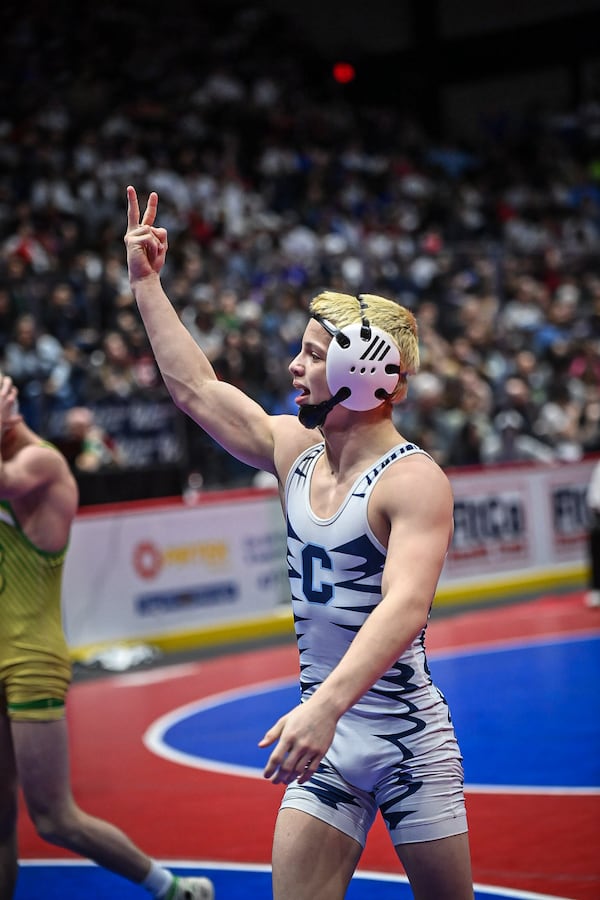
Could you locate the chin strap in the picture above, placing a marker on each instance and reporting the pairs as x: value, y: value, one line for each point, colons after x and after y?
x: 313, y: 415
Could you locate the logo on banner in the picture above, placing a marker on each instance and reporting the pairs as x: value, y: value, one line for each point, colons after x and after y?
x: 490, y: 528
x: 570, y: 517
x: 149, y: 559
x: 195, y: 597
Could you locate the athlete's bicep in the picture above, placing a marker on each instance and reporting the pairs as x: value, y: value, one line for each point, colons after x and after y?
x: 421, y: 520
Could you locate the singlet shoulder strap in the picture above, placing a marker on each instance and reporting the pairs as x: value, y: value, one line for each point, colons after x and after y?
x: 366, y: 481
x: 303, y: 464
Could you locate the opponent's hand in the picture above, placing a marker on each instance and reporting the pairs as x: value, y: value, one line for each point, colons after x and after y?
x: 146, y: 244
x: 9, y: 410
x: 303, y: 737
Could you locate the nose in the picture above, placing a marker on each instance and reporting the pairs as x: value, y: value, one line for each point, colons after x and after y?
x: 295, y: 367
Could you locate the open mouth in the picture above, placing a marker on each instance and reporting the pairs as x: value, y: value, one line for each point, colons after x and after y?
x: 303, y: 393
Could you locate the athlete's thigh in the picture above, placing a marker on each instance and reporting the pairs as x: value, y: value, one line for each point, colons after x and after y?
x: 311, y: 858
x: 42, y: 758
x: 439, y: 870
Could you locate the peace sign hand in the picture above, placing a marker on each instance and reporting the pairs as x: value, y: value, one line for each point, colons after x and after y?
x: 146, y: 244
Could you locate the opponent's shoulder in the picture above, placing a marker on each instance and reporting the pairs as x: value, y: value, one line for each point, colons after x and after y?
x: 42, y: 453
x: 37, y: 464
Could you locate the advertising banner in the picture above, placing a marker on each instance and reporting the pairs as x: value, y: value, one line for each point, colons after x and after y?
x: 138, y: 573
x: 518, y: 521
x: 143, y: 573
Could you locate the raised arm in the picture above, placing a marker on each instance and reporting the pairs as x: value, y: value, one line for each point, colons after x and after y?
x: 228, y: 415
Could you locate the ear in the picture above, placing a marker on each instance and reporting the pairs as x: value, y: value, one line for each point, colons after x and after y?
x: 400, y: 391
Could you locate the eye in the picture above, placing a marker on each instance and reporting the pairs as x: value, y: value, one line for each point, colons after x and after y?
x: 314, y: 356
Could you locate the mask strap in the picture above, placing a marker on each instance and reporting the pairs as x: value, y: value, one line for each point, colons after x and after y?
x: 342, y: 339
x: 365, y: 329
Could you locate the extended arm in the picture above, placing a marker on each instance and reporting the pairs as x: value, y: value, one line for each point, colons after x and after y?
x: 232, y: 418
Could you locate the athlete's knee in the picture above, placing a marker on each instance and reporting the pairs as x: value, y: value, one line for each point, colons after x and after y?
x: 60, y: 827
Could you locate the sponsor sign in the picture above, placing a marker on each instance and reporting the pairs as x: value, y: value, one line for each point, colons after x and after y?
x: 135, y: 574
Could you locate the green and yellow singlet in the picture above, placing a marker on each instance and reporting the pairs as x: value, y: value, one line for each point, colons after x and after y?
x: 35, y: 668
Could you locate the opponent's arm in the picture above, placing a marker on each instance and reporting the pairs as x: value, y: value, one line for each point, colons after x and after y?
x: 232, y: 418
x: 420, y: 530
x: 30, y: 469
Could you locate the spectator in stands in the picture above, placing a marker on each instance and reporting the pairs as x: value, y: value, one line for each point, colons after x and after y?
x: 112, y: 371
x: 465, y: 448
x: 86, y: 446
x: 496, y: 252
x: 509, y: 442
x: 63, y: 315
x: 37, y: 363
x: 558, y: 423
x: 525, y: 310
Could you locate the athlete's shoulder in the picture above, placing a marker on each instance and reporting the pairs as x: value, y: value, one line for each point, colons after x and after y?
x: 43, y: 453
x: 40, y: 466
x: 417, y: 463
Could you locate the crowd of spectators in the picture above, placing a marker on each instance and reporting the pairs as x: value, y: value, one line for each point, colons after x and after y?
x: 274, y: 184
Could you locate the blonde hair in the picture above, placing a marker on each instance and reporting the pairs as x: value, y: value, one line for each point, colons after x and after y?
x: 395, y: 320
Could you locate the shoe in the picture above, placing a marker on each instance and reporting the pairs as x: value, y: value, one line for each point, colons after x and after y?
x: 191, y: 889
x: 592, y: 598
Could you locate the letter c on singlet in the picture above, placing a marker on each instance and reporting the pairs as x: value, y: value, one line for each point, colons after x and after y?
x: 315, y: 590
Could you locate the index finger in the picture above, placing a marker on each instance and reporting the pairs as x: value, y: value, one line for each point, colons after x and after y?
x: 133, y: 208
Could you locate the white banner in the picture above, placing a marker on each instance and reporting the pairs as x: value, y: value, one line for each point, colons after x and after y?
x: 153, y: 571
x: 147, y: 571
x: 516, y: 523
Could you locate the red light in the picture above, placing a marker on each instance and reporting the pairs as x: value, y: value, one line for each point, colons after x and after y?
x: 343, y: 72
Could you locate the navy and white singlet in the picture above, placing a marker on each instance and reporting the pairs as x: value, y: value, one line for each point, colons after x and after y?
x: 395, y: 749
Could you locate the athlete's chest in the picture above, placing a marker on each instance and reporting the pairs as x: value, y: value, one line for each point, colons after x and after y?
x: 330, y: 493
x: 327, y: 495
